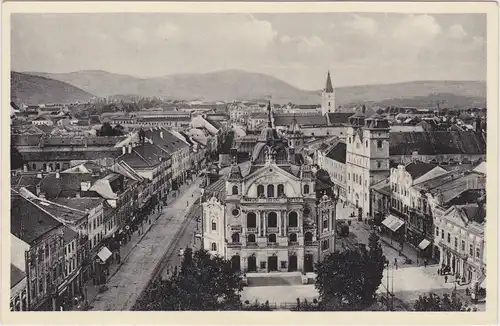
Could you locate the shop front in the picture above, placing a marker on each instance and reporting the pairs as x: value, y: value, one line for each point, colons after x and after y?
x: 393, y: 227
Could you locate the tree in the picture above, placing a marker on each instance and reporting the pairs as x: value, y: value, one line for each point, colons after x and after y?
x: 16, y: 160
x: 107, y: 130
x: 348, y: 280
x: 375, y: 266
x: 202, y: 283
x: 433, y: 302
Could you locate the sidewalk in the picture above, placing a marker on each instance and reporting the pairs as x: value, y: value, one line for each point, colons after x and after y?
x: 93, y: 290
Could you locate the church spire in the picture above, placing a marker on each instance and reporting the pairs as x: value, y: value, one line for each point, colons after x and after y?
x: 329, y: 87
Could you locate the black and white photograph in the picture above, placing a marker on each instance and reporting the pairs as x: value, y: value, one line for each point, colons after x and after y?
x: 249, y: 161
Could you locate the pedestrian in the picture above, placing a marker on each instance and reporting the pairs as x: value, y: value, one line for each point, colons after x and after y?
x: 446, y: 278
x: 425, y: 262
x: 396, y: 262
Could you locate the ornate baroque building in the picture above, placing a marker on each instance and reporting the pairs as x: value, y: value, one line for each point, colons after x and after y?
x: 271, y: 217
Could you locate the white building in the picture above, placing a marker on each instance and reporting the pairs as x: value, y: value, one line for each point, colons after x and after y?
x: 328, y: 97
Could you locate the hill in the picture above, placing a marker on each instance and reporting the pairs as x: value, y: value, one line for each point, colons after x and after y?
x: 445, y: 100
x: 33, y: 90
x: 230, y: 85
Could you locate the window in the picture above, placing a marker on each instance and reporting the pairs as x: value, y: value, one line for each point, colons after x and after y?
x: 272, y: 220
x: 306, y: 189
x: 448, y: 238
x: 456, y: 242
x: 325, y: 245
x: 262, y: 264
x: 379, y: 164
x: 463, y: 245
x: 349, y: 140
x: 270, y: 191
x: 251, y: 238
x: 366, y: 143
x: 214, y: 246
x: 478, y: 253
x: 214, y: 226
x: 325, y: 224
x: 437, y: 232
x: 251, y: 220
x: 272, y: 238
x: 260, y: 190
x: 348, y: 177
x: 235, y: 237
x: 379, y: 144
x: 283, y: 263
x: 471, y: 250
x: 293, y: 220
x: 235, y: 190
x: 293, y: 237
x: 281, y: 190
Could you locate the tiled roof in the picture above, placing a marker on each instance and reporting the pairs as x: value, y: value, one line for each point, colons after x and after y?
x: 338, y: 152
x: 67, y: 185
x: 168, y: 142
x: 468, y: 196
x: 144, y: 156
x: 217, y: 189
x: 81, y: 203
x: 437, y: 143
x: 69, y: 235
x: 451, y: 185
x: 302, y: 120
x: 28, y: 222
x: 214, y: 122
x: 69, y: 155
x: 95, y: 120
x: 474, y: 212
x: 336, y: 118
x: 418, y: 169
x: 84, y: 141
x: 383, y: 187
x: 16, y: 275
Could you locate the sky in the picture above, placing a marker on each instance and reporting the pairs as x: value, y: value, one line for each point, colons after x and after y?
x: 299, y: 48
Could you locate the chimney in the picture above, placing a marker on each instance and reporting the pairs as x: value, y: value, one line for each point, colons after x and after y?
x: 130, y: 148
x: 25, y: 168
x: 124, y: 150
x: 39, y: 175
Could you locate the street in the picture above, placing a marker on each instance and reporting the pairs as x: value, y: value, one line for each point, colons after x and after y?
x: 127, y: 284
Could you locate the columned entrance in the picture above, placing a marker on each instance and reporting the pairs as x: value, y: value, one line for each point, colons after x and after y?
x: 252, y: 264
x: 235, y: 263
x: 272, y: 263
x: 308, y: 263
x: 292, y: 263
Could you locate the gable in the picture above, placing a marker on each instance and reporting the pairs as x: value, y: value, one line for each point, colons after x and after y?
x: 454, y: 215
x: 274, y: 175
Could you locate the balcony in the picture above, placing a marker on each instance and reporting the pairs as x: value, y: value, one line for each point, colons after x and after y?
x: 293, y: 229
x: 252, y: 245
x: 272, y: 244
x: 272, y: 230
x: 310, y: 243
x: 309, y: 227
x: 234, y: 245
x: 252, y: 230
x: 236, y: 228
x: 293, y: 243
x: 263, y: 200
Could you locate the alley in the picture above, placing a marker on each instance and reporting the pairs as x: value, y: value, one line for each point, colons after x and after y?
x: 130, y: 280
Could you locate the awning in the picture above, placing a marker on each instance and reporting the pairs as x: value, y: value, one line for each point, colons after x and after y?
x: 393, y: 223
x: 104, y: 254
x: 424, y: 244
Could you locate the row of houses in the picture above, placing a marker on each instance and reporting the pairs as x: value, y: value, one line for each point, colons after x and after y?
x: 70, y: 214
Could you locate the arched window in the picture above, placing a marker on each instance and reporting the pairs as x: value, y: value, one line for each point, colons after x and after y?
x: 58, y: 166
x: 34, y: 166
x: 270, y: 191
x: 306, y: 189
x: 214, y: 226
x: 251, y: 238
x: 235, y: 190
x: 293, y: 220
x: 325, y: 245
x: 281, y: 190
x: 44, y: 166
x: 308, y: 237
x: 260, y: 190
x: 235, y: 237
x: 272, y: 238
x: 51, y: 166
x: 293, y: 237
x: 214, y: 246
x: 251, y: 220
x: 272, y: 220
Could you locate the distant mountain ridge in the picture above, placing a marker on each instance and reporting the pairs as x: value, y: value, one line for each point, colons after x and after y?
x: 229, y: 85
x: 33, y: 90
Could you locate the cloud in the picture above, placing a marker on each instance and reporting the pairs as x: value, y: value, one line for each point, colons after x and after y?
x: 457, y: 32
x: 417, y: 30
x: 308, y: 44
x: 363, y: 25
x: 166, y: 31
x: 136, y: 35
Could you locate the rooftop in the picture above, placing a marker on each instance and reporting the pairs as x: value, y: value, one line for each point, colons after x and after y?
x: 418, y: 169
x: 81, y: 204
x: 16, y: 275
x: 60, y: 211
x: 338, y: 152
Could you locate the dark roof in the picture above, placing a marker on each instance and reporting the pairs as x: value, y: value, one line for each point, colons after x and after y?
x: 144, y: 156
x: 80, y: 204
x: 214, y: 122
x: 69, y: 235
x: 28, y: 222
x: 336, y: 118
x: 329, y: 87
x: 95, y: 120
x: 418, y: 169
x: 69, y: 155
x: 217, y: 189
x: 474, y: 212
x: 168, y: 142
x: 468, y: 196
x: 302, y: 120
x: 338, y: 152
x: 437, y: 143
x: 16, y: 275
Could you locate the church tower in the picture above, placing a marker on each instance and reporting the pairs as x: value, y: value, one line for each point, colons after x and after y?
x: 367, y: 157
x: 328, y: 97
